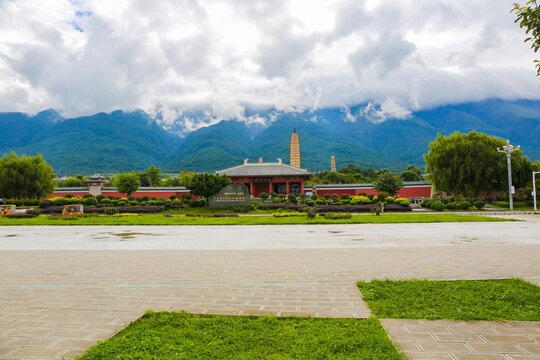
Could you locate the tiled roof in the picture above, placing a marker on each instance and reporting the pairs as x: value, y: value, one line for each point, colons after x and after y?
x: 263, y: 169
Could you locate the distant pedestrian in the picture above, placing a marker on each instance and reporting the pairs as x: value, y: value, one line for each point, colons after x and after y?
x: 382, y: 208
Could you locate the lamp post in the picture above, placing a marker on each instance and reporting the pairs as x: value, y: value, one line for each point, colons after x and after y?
x: 508, y: 150
x: 534, y: 187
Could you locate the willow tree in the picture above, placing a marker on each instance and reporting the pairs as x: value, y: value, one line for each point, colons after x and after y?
x: 470, y: 164
x: 26, y: 177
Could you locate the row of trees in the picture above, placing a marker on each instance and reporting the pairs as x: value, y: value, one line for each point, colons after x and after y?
x: 26, y: 177
x: 351, y: 174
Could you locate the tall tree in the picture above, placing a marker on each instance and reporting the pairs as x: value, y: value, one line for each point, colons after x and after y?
x: 470, y: 164
x: 154, y: 175
x: 528, y: 16
x: 73, y: 182
x: 26, y: 177
x: 388, y: 182
x: 126, y: 183
x: 412, y: 173
x: 206, y: 184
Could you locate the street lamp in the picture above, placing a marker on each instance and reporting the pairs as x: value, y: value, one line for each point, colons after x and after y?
x: 509, y: 149
x: 534, y: 187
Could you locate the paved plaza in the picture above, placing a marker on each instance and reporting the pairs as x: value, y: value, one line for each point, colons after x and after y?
x: 64, y: 288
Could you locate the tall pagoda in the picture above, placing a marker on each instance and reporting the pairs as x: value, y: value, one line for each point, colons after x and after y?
x: 295, y: 149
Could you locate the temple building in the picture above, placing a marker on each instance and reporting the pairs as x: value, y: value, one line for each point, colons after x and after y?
x: 262, y: 177
x: 295, y: 150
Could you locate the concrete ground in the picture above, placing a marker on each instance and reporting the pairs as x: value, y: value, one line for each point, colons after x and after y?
x: 64, y: 288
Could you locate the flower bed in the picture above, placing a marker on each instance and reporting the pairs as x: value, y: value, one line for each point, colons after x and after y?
x: 121, y: 209
x: 338, y: 208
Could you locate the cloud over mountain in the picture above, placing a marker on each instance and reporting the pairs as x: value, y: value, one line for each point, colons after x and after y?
x: 172, y: 57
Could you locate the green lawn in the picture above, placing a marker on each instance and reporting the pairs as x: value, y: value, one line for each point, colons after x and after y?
x: 510, y: 299
x: 160, y: 219
x: 185, y: 336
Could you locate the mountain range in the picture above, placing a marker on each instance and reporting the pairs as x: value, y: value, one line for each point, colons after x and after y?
x: 126, y: 141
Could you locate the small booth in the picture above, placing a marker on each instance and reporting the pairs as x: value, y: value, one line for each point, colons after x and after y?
x: 7, y: 210
x: 73, y: 210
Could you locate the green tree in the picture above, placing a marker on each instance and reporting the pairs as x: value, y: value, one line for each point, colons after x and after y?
x: 412, y: 173
x: 528, y: 16
x: 185, y: 177
x: 171, y: 181
x: 73, y: 182
x: 26, y: 177
x: 126, y: 183
x: 206, y: 184
x: 144, y: 179
x: 388, y: 182
x: 350, y: 169
x: 154, y: 175
x: 470, y: 164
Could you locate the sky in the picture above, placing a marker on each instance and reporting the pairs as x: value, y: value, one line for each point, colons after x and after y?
x: 170, y: 57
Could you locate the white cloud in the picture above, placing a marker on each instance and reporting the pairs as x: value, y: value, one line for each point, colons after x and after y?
x: 218, y: 58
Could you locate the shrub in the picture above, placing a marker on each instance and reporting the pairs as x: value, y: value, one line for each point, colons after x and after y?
x: 35, y: 211
x: 145, y: 198
x: 20, y: 216
x: 399, y: 200
x: 168, y: 205
x: 18, y: 202
x: 133, y: 203
x: 177, y: 202
x: 376, y: 210
x: 122, y: 203
x: 263, y: 196
x: 405, y: 203
x: 68, y: 196
x: 105, y: 201
x: 326, y: 196
x: 273, y: 194
x: 160, y: 202
x: 90, y: 201
x: 437, y: 206
x: 345, y: 197
x: 292, y: 199
x: 310, y: 212
x: 276, y: 200
x: 479, y: 204
x: 44, y: 204
x: 100, y: 197
x: 288, y: 214
x: 314, y: 197
x: 87, y: 196
x: 452, y: 205
x: 131, y: 198
x: 320, y: 202
x: 335, y: 216
x: 390, y: 200
x: 110, y: 211
x: 464, y: 205
x: 426, y: 203
x: 309, y: 202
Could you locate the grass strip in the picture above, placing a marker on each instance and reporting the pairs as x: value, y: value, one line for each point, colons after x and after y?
x: 508, y: 299
x: 159, y: 219
x: 167, y: 335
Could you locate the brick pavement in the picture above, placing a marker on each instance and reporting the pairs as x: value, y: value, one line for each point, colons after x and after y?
x: 465, y: 340
x: 57, y: 303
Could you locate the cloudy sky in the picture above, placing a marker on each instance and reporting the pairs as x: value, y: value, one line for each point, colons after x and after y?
x: 82, y: 57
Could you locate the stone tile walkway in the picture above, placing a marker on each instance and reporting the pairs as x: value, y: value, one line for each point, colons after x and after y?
x: 57, y: 303
x: 465, y: 340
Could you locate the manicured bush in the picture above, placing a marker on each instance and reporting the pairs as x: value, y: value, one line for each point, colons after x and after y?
x: 405, y: 203
x: 100, y: 197
x: 309, y: 202
x: 122, y: 203
x: 44, y: 204
x: 168, y: 205
x: 177, y: 202
x: 292, y: 199
x: 263, y: 196
x: 35, y: 211
x: 133, y: 203
x: 145, y: 198
x: 20, y: 216
x: 452, y: 205
x: 18, y: 202
x: 288, y: 214
x: 464, y: 205
x: 90, y: 201
x: 68, y: 196
x: 87, y: 196
x: 320, y: 202
x: 310, y: 212
x: 426, y: 203
x: 276, y: 200
x: 345, y: 197
x: 110, y: 211
x: 437, y: 206
x: 197, y: 203
x: 314, y: 197
x: 479, y: 204
x: 273, y: 194
x: 390, y: 200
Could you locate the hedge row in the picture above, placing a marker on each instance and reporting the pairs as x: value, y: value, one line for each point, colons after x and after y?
x: 337, y: 208
x: 122, y: 209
